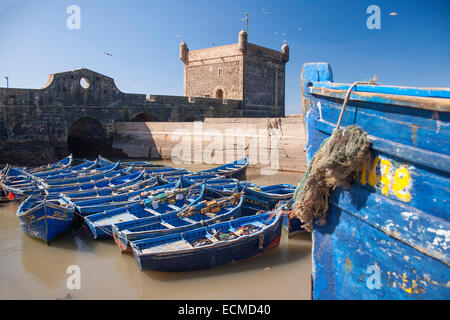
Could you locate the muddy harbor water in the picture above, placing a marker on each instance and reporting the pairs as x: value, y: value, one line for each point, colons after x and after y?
x: 29, y: 269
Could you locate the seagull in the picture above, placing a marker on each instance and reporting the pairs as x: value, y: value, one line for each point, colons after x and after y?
x: 108, y: 54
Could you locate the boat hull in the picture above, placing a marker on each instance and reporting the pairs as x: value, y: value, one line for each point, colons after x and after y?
x: 209, y: 257
x: 387, y: 236
x: 46, y: 221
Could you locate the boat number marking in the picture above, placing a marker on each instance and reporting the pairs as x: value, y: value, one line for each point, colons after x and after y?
x: 389, y: 177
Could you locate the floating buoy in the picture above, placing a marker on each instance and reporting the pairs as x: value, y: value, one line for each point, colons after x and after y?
x: 10, y: 196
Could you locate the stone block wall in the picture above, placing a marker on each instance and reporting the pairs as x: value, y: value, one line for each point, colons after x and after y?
x: 269, y: 142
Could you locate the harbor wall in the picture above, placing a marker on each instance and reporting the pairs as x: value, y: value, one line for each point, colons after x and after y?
x: 271, y: 143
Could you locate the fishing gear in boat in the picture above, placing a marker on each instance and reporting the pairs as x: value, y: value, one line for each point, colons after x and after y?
x: 169, y: 195
x: 209, y: 207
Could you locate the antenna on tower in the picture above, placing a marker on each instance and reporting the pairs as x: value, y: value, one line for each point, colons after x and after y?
x: 246, y: 22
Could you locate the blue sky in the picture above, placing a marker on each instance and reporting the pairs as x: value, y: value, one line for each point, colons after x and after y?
x: 411, y: 48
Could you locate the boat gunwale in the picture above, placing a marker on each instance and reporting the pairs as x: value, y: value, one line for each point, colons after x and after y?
x: 407, y: 101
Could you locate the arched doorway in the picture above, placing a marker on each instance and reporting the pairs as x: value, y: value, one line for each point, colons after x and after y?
x: 219, y: 93
x: 144, y: 117
x: 86, y: 137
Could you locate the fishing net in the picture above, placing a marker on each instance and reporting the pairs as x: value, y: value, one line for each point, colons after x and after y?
x: 335, y: 163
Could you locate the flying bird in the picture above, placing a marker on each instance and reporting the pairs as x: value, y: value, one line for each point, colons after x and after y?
x: 108, y: 54
x: 393, y: 13
x: 299, y: 29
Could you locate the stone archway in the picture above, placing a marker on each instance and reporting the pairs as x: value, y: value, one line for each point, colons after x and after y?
x: 145, y: 117
x: 87, y: 137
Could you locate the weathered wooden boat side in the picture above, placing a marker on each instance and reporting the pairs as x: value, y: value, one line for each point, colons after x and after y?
x: 388, y: 236
x: 184, y: 252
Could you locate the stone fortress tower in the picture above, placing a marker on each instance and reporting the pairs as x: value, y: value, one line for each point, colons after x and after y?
x: 240, y: 71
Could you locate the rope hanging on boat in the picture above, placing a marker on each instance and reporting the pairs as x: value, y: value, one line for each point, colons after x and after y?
x: 347, y: 97
x: 334, y: 164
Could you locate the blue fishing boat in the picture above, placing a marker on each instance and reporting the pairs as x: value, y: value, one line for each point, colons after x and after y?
x: 44, y: 219
x: 388, y: 235
x: 172, y: 176
x: 93, y: 175
x: 266, y: 197
x: 291, y: 223
x: 86, y: 207
x: 225, y: 186
x: 139, y: 185
x: 197, y: 215
x: 236, y: 169
x: 117, y: 181
x: 85, y: 171
x: 218, y: 244
x: 162, y: 203
x: 63, y: 163
x: 139, y: 165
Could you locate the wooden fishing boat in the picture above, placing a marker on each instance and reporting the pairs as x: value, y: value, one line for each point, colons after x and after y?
x: 86, y: 207
x: 198, y: 215
x: 44, y: 219
x: 63, y: 163
x: 114, y: 182
x: 266, y: 197
x: 83, y: 170
x: 388, y: 236
x: 291, y: 223
x: 168, y: 177
x: 142, y: 185
x: 224, y: 186
x: 236, y: 169
x: 207, y: 247
x: 93, y: 175
x: 163, y: 202
x: 138, y: 165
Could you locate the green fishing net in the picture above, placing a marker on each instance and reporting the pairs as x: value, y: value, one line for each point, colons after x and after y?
x: 335, y: 163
